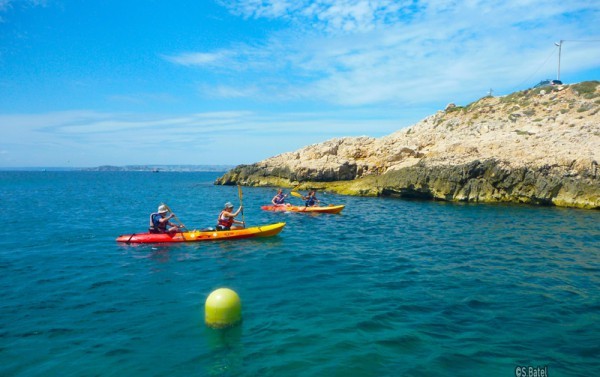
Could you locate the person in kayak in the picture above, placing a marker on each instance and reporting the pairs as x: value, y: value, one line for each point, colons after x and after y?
x: 227, y: 218
x: 311, y: 199
x: 279, y: 199
x: 159, y: 221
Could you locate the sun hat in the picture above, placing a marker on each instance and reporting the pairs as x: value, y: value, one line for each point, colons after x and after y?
x: 228, y: 205
x: 162, y: 209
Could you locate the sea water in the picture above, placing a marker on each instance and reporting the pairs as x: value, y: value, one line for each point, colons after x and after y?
x: 388, y: 287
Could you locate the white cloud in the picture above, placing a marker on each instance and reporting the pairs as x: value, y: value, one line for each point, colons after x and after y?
x: 87, y: 138
x: 330, y: 15
x: 224, y: 91
x: 356, y: 52
x: 5, y: 5
x: 201, y: 58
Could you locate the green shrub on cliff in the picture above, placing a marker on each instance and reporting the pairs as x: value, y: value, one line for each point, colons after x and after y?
x: 587, y: 89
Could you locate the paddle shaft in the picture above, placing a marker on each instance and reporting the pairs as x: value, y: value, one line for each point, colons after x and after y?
x: 298, y: 195
x: 176, y: 218
x: 241, y: 195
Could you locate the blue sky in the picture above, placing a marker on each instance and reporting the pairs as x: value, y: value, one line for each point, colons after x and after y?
x: 89, y: 83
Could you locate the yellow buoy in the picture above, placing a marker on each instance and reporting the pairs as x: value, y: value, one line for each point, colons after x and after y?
x: 223, y: 308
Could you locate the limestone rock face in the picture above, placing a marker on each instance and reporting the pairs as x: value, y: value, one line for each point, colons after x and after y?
x: 538, y: 146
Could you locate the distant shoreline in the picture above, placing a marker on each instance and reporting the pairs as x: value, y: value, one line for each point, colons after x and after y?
x: 140, y: 168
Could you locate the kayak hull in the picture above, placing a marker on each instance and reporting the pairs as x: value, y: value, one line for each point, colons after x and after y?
x: 327, y: 209
x: 202, y: 235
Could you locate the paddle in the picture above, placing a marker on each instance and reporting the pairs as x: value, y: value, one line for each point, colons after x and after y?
x: 130, y: 237
x: 176, y: 218
x: 294, y: 193
x: 298, y: 195
x: 322, y: 202
x: 241, y: 195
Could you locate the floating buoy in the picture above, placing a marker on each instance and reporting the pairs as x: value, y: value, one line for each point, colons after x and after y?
x: 223, y: 308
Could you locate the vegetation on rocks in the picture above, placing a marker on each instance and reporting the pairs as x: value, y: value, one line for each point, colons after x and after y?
x: 538, y: 146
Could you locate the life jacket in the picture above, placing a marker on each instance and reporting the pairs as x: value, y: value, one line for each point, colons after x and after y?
x: 279, y: 199
x: 155, y: 225
x: 225, y: 222
x: 311, y: 201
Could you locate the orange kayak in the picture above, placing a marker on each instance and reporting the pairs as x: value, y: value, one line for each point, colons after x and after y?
x: 203, y: 235
x: 325, y: 209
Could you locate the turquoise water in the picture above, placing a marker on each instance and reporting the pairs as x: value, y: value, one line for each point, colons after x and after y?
x: 386, y: 288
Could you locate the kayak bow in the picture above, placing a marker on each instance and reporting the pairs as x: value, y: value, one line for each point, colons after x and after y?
x: 203, y: 235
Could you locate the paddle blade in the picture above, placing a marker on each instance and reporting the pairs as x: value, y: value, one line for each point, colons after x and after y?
x: 240, y: 193
x: 296, y: 194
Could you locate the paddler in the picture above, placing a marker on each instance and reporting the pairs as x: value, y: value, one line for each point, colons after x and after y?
x: 279, y: 199
x: 311, y: 199
x: 159, y: 221
x: 227, y: 218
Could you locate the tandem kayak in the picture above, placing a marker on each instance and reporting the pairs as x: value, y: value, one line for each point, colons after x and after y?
x: 326, y: 209
x: 203, y: 235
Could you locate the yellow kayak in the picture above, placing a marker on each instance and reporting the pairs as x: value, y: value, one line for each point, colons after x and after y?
x: 316, y: 209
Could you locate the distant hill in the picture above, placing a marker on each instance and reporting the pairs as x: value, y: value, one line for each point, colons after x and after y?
x: 163, y: 168
x: 537, y: 146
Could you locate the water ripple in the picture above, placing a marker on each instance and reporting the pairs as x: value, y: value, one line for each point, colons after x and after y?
x: 445, y: 289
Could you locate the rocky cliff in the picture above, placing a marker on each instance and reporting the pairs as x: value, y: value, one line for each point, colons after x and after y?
x: 539, y: 146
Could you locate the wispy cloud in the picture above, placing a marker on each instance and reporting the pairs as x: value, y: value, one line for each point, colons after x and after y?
x: 202, y: 58
x: 329, y: 15
x: 5, y: 5
x: 189, y: 138
x: 355, y: 52
x: 308, y: 69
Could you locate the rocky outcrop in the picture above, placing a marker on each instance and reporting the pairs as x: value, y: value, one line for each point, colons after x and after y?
x: 537, y: 146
